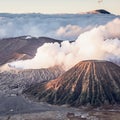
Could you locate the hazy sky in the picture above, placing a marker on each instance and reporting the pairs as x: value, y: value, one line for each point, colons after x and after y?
x: 58, y: 6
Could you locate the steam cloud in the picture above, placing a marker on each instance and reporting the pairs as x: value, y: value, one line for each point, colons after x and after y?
x: 56, y: 26
x: 100, y: 43
x: 71, y: 31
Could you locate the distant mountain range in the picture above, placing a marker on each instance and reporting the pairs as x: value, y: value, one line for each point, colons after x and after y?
x: 99, y: 11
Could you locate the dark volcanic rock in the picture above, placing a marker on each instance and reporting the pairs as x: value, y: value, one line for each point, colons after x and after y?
x: 87, y: 83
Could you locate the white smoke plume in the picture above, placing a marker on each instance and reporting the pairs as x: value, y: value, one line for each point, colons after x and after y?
x: 101, y: 43
x: 54, y: 26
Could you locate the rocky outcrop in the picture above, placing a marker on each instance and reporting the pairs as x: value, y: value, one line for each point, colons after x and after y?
x: 87, y: 83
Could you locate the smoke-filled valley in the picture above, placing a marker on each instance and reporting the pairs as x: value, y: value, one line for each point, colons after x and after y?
x: 70, y: 60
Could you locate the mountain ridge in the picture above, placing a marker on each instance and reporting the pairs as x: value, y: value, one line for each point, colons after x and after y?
x: 98, y: 11
x: 21, y: 48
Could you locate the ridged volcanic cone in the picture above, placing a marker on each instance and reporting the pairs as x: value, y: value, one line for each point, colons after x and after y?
x: 89, y: 82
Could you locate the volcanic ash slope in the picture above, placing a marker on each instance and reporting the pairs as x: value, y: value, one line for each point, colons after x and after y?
x: 14, y: 81
x: 89, y: 82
